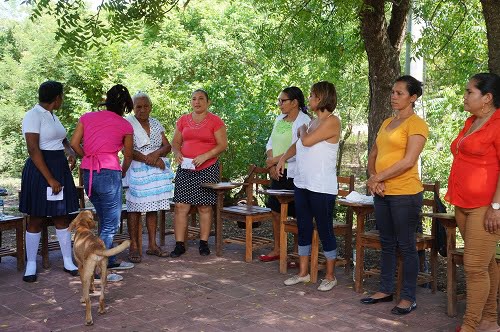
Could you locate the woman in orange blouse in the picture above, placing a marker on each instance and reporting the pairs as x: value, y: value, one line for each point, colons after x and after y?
x: 474, y: 189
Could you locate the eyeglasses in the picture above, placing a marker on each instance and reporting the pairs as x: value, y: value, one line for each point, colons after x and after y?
x: 281, y: 101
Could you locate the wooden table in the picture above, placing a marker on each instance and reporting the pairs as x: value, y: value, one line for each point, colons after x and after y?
x: 284, y: 197
x: 17, y: 223
x: 361, y: 210
x: 450, y: 224
x: 220, y: 188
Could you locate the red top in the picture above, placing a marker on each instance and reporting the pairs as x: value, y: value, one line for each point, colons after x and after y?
x: 198, y: 138
x: 476, y: 164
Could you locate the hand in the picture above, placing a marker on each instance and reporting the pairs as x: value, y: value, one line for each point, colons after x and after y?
x: 492, y: 220
x: 379, y: 190
x: 301, y: 129
x: 178, y: 157
x: 270, y: 162
x: 375, y: 186
x: 72, y: 162
x: 200, y: 160
x: 273, y: 173
x: 280, y: 167
x: 151, y: 158
x: 160, y: 164
x: 55, y: 185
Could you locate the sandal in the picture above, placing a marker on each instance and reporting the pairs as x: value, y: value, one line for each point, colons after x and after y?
x: 157, y: 252
x: 134, y: 257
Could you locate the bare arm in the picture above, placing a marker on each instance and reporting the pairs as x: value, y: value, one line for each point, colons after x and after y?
x: 271, y: 164
x: 70, y: 153
x: 221, y: 139
x: 492, y: 217
x: 33, y: 143
x: 414, y: 147
x: 176, y: 146
x: 76, y: 140
x: 153, y: 157
x: 128, y: 148
x: 328, y: 130
x: 292, y: 150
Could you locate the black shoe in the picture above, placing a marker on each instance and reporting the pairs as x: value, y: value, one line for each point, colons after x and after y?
x: 371, y: 300
x: 178, y: 250
x: 74, y: 273
x: 31, y: 278
x: 204, y: 249
x: 403, y: 311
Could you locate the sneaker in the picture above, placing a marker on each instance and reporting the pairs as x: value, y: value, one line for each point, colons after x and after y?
x: 204, y: 249
x: 121, y: 266
x: 178, y: 250
x: 327, y: 285
x: 296, y: 279
x: 112, y: 277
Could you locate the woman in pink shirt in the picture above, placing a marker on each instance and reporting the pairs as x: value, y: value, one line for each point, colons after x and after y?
x: 104, y: 134
x: 199, y: 138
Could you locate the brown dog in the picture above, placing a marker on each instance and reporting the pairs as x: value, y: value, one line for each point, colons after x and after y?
x: 90, y: 253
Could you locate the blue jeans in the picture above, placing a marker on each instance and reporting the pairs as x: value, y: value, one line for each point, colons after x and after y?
x: 309, y: 205
x: 397, y: 217
x: 106, y: 197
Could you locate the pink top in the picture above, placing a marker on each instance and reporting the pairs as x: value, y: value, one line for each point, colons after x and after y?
x: 198, y: 138
x: 103, y: 134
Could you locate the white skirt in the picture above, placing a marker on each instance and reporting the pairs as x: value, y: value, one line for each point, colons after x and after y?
x: 149, y: 188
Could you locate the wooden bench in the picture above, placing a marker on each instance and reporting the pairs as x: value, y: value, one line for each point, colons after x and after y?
x: 17, y: 224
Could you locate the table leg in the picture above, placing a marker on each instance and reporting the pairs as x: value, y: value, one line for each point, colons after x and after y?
x: 218, y: 219
x: 451, y: 269
x: 20, y: 245
x: 283, y: 238
x: 360, y: 252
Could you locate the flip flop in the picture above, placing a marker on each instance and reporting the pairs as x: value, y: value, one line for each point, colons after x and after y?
x: 266, y: 258
x: 134, y: 257
x: 157, y: 252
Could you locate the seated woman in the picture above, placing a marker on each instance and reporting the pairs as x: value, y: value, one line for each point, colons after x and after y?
x: 398, y: 192
x: 104, y: 134
x: 474, y: 189
x: 199, y: 138
x: 316, y: 182
x: 149, y: 177
x: 293, y: 115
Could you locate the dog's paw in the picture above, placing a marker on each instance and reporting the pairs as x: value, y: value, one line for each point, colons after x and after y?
x: 88, y: 323
x: 82, y: 300
x: 102, y: 311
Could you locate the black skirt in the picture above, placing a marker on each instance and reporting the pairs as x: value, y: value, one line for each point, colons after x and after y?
x: 33, y: 198
x: 282, y: 183
x: 188, y: 189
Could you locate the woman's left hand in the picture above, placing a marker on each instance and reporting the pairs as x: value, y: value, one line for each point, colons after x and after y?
x: 152, y: 158
x: 373, y: 185
x: 492, y: 220
x: 160, y: 164
x: 200, y: 160
x: 72, y: 162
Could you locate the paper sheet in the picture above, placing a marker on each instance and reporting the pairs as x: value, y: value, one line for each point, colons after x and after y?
x: 52, y: 197
x: 187, y: 163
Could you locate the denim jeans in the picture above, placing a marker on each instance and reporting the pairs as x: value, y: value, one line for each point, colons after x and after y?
x: 309, y: 205
x: 106, y: 197
x: 397, y: 217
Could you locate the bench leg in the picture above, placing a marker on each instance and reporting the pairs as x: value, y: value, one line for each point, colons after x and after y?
x: 45, y: 246
x: 348, y: 251
x: 20, y: 246
x: 161, y: 226
x: 360, y: 267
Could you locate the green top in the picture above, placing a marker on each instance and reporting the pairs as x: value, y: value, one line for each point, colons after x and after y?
x: 281, y: 137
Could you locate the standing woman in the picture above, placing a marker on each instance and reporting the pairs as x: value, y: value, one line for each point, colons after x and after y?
x: 316, y: 181
x: 474, y: 189
x: 149, y: 177
x: 293, y: 115
x: 103, y: 134
x: 46, y: 168
x: 199, y: 138
x: 395, y: 183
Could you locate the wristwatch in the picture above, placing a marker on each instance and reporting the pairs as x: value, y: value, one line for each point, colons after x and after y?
x: 495, y: 206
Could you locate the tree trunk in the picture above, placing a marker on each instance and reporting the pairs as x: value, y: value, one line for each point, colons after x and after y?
x: 383, y: 46
x: 491, y: 13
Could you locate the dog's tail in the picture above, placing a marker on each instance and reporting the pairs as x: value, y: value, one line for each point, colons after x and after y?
x: 115, y: 250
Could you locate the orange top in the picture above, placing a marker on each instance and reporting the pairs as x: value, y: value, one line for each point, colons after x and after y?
x: 476, y: 164
x: 391, y: 146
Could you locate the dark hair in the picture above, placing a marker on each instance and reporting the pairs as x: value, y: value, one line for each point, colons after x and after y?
x: 48, y: 91
x: 202, y: 91
x: 295, y: 93
x: 413, y: 86
x: 118, y: 100
x: 488, y: 83
x: 327, y: 94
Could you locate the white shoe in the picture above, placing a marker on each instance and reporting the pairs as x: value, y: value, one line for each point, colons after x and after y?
x: 327, y: 285
x: 122, y: 266
x: 113, y: 277
x: 296, y: 279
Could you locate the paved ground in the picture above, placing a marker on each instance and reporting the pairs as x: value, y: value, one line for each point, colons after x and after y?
x: 195, y: 293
